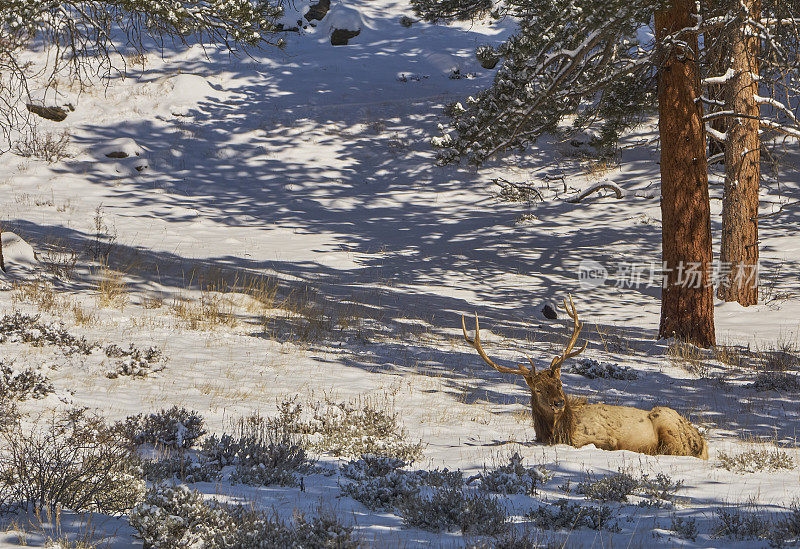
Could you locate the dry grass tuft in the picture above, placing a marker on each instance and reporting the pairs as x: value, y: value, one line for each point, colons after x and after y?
x: 112, y: 290
x: 689, y: 357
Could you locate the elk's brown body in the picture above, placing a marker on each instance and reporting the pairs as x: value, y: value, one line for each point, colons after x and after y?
x: 559, y: 418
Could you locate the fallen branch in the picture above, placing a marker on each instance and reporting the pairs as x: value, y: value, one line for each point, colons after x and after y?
x: 595, y: 188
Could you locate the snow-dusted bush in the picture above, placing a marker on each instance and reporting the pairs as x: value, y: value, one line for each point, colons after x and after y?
x: 381, y: 484
x: 735, y: 524
x: 754, y: 460
x: 442, y: 478
x: 262, y: 451
x: 371, y: 466
x: 324, y: 531
x: 179, y: 466
x: 174, y: 428
x: 685, y: 528
x: 448, y: 508
x: 593, y: 369
x: 513, y: 478
x: 354, y: 429
x: 73, y: 461
x: 134, y: 362
x: 779, y: 531
x: 660, y: 489
x: 383, y: 492
x: 22, y: 385
x: 174, y: 517
x: 776, y: 381
x: 566, y: 515
x: 616, y: 487
x: 22, y: 328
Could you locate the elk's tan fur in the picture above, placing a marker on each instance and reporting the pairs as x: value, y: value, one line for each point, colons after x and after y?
x: 559, y: 418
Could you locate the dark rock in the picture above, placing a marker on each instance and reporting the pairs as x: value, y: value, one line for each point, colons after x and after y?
x: 117, y: 154
x: 318, y: 11
x: 406, y: 21
x: 549, y: 312
x: 56, y: 114
x: 340, y: 37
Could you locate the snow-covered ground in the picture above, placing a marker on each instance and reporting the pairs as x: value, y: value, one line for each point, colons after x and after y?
x: 312, y: 167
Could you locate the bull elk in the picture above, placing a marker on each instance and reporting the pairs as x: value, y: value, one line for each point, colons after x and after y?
x: 559, y: 418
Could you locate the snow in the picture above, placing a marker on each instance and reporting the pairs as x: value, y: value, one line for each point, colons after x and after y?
x: 313, y: 166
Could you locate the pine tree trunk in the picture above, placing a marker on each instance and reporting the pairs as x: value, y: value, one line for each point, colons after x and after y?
x: 718, y: 55
x: 687, y: 301
x: 739, y: 251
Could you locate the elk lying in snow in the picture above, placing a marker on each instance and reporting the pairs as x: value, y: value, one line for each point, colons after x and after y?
x: 559, y: 418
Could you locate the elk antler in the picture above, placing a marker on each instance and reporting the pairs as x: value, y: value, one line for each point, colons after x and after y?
x: 576, y: 330
x: 522, y: 370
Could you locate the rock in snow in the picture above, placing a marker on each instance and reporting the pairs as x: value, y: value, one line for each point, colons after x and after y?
x: 18, y: 255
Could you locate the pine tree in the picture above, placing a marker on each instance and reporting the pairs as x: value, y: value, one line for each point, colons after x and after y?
x: 82, y: 37
x: 687, y: 301
x: 739, y: 248
x: 753, y: 61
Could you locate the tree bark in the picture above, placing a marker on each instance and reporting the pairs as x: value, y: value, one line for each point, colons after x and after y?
x: 687, y: 301
x: 739, y: 250
x: 718, y: 55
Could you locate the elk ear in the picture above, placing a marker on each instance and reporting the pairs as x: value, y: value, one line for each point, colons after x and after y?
x: 556, y: 370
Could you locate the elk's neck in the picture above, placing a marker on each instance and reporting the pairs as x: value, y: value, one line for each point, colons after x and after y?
x: 565, y: 424
x: 557, y: 429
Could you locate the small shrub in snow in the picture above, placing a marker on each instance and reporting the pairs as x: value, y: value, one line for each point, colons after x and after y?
x: 172, y: 517
x: 22, y: 328
x: 73, y: 461
x: 262, y: 452
x: 22, y: 385
x: 134, y: 362
x: 735, y: 524
x: 513, y: 478
x: 175, y: 517
x: 179, y: 466
x: 47, y: 146
x: 355, y: 429
x: 787, y: 528
x: 324, y: 531
x: 779, y: 531
x: 442, y: 478
x: 685, y: 528
x: 659, y: 489
x: 448, y: 508
x: 371, y: 466
x: 383, y: 492
x: 753, y: 461
x: 174, y: 428
x: 565, y: 515
x: 594, y: 369
x: 776, y: 381
x: 616, y: 487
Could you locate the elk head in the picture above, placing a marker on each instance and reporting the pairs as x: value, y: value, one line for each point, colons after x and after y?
x: 548, y: 400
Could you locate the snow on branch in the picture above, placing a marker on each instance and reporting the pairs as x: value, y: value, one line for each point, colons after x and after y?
x: 729, y: 74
